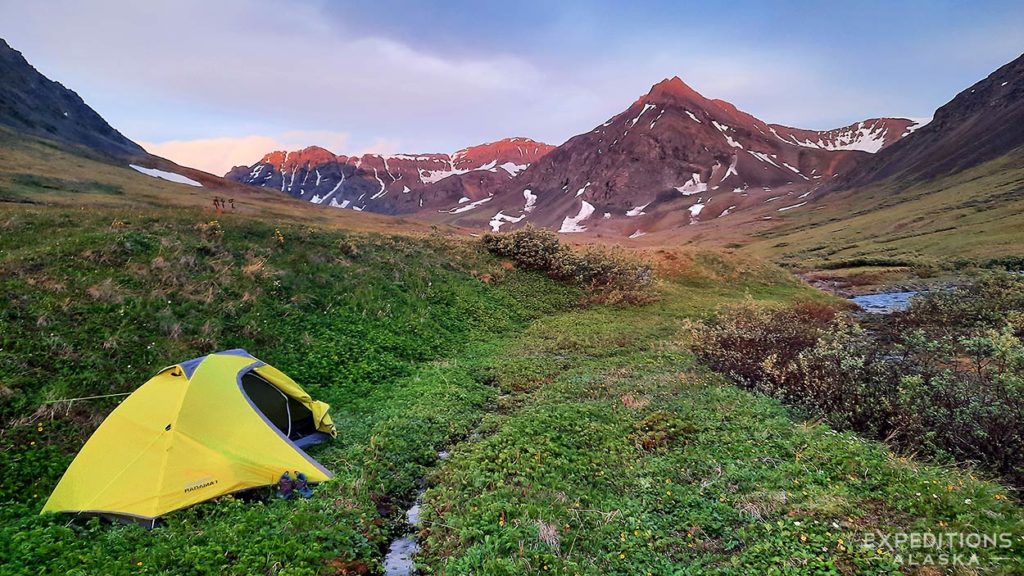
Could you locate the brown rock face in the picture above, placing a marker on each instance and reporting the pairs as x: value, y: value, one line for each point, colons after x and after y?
x: 393, y: 184
x: 512, y: 154
x: 675, y: 157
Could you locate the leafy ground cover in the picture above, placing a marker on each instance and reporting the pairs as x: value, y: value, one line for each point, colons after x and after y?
x: 383, y: 328
x: 622, y: 456
x: 584, y: 439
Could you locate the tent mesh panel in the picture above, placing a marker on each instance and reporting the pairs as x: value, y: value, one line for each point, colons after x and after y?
x: 286, y: 413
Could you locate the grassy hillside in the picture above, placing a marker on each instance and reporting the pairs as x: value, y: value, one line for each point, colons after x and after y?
x: 366, y: 323
x: 39, y: 172
x: 583, y: 439
x: 976, y: 215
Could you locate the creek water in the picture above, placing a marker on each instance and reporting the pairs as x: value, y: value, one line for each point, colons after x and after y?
x: 399, y: 559
x: 885, y: 302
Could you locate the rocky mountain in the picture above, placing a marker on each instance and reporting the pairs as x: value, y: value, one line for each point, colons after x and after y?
x: 981, y: 123
x: 868, y: 136
x: 673, y: 158
x: 394, y: 184
x: 33, y: 104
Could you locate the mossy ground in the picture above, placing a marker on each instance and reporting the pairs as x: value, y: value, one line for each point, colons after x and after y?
x: 621, y: 456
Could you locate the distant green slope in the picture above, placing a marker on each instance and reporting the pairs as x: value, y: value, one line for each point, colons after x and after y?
x: 974, y: 216
x: 41, y: 172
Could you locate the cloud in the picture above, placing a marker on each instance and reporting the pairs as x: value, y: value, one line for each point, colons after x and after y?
x: 218, y: 155
x: 269, y: 67
x: 181, y: 74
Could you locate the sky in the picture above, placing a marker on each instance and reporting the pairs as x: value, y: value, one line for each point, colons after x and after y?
x: 217, y: 83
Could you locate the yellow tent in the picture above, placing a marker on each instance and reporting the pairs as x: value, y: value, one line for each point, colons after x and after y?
x: 197, y: 430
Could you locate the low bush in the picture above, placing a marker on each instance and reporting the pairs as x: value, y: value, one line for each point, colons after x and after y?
x: 946, y: 378
x: 1014, y: 263
x: 860, y: 262
x: 607, y: 275
x: 989, y: 302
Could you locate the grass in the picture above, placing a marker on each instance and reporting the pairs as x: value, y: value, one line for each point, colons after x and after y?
x: 621, y: 456
x: 383, y: 328
x: 973, y: 216
x: 39, y: 172
x: 583, y: 439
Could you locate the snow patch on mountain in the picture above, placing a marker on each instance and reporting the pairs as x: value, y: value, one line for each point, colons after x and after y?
x: 501, y: 218
x: 513, y: 168
x: 531, y: 201
x: 692, y: 186
x: 468, y: 207
x: 785, y: 208
x: 638, y: 211
x: 634, y: 120
x: 571, y: 224
x: 164, y: 175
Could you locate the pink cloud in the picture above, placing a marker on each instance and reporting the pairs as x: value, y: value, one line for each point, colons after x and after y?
x: 218, y: 155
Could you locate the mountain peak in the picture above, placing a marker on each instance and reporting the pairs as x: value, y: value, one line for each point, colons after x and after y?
x: 672, y: 89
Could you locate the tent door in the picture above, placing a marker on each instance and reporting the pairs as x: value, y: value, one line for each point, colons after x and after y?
x: 286, y: 413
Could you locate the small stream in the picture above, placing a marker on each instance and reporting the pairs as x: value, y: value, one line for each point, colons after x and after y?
x: 399, y: 559
x: 885, y: 302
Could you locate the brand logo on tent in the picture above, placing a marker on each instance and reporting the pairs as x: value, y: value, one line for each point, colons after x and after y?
x: 199, y: 484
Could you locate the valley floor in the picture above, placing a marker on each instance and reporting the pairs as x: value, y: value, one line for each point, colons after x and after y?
x: 582, y: 440
x: 618, y: 455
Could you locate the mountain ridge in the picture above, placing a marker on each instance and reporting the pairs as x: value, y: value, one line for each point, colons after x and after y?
x: 32, y: 103
x: 981, y: 123
x: 393, y: 183
x: 673, y: 158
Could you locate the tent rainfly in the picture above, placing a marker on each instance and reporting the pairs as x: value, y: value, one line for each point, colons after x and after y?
x: 197, y: 430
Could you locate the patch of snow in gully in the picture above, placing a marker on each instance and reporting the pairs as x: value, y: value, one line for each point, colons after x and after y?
x: 763, y: 158
x: 469, y: 206
x: 571, y: 224
x: 634, y: 120
x: 693, y: 186
x: 531, y: 201
x: 513, y: 168
x: 784, y: 208
x: 500, y: 218
x: 164, y: 175
x: 638, y: 211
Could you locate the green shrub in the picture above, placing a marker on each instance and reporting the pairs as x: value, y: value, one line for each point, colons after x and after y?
x: 988, y: 302
x: 660, y: 430
x: 1014, y: 263
x: 945, y: 379
x: 608, y: 275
